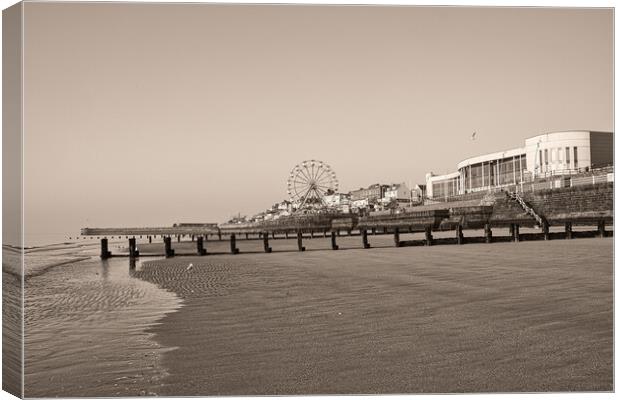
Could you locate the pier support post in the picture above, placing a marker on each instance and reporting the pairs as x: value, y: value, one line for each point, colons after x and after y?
x: 300, y: 244
x: 396, y: 237
x: 168, y: 247
x: 459, y: 234
x: 200, y: 249
x: 247, y: 236
x: 133, y: 251
x: 150, y: 239
x: 338, y: 232
x: 488, y: 233
x: 384, y: 231
x: 273, y: 235
x: 601, y: 229
x: 219, y: 235
x: 266, y: 243
x: 428, y: 234
x: 324, y: 234
x: 568, y: 229
x: 178, y: 238
x: 374, y: 231
x: 233, y: 244
x: 286, y: 234
x: 545, y: 230
x: 334, y: 245
x: 105, y: 254
x: 348, y: 232
x: 193, y: 237
x: 515, y: 232
x: 365, y: 239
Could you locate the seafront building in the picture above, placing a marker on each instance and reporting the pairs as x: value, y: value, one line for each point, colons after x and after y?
x: 418, y: 193
x: 399, y: 192
x: 555, y: 153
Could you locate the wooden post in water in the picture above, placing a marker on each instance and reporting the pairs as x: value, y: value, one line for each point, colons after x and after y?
x: 105, y: 254
x: 300, y: 246
x: 515, y: 232
x: 428, y: 235
x: 200, y: 249
x: 133, y: 251
x: 545, y: 230
x: 568, y: 229
x: 233, y: 244
x: 334, y: 245
x: 488, y: 233
x: 168, y: 247
x: 396, y: 237
x: 601, y: 228
x: 266, y: 243
x: 459, y: 234
x: 365, y: 239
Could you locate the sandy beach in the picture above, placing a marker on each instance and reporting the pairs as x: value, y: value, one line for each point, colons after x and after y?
x: 505, y: 317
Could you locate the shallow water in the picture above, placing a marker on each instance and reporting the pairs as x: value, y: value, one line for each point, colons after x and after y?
x: 86, y: 326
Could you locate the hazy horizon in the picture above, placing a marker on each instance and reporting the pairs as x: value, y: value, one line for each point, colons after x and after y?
x: 151, y: 114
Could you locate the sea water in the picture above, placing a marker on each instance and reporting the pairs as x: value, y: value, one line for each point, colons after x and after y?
x: 87, y: 327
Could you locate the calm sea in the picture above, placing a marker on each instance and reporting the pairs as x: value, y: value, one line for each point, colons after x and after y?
x: 87, y: 327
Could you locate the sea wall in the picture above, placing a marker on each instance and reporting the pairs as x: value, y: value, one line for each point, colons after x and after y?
x: 578, y: 204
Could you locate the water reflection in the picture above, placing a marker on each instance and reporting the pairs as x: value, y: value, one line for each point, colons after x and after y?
x: 87, y: 330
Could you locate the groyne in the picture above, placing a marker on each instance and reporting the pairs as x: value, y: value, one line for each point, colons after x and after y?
x: 590, y: 205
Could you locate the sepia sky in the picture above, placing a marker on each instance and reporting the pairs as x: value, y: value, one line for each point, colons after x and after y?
x: 150, y: 114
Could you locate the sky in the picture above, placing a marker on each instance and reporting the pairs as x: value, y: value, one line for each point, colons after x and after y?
x: 151, y: 114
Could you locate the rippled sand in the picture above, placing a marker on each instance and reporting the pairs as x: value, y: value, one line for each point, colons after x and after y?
x: 532, y: 316
x: 11, y: 333
x: 86, y: 331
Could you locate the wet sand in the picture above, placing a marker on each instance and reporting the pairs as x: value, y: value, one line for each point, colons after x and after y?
x: 85, y: 331
x: 12, y: 333
x: 505, y: 317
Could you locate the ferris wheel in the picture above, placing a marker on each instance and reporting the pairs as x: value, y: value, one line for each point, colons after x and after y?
x: 309, y: 182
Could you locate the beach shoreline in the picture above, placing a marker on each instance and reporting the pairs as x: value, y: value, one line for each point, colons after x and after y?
x: 86, y: 329
x: 505, y: 317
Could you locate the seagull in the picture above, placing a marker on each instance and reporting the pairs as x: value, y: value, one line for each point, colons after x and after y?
x: 473, y: 136
x: 189, y: 267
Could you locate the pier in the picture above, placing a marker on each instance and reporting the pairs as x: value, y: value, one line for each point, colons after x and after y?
x: 540, y: 210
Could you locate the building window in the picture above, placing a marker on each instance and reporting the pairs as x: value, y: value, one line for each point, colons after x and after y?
x: 568, y: 157
x: 540, y: 159
x: 546, y: 157
x: 559, y: 155
x: 576, y: 158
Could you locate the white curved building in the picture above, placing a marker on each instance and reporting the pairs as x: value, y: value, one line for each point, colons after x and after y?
x: 554, y: 153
